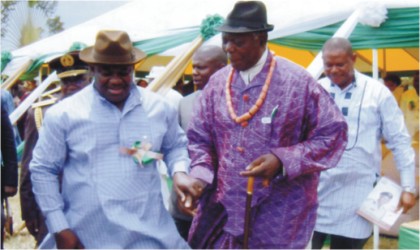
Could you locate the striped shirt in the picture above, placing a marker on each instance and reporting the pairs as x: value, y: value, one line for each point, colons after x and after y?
x: 107, y: 199
x: 371, y: 113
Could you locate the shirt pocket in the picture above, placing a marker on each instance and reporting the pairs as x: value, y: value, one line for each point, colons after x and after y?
x: 259, y: 130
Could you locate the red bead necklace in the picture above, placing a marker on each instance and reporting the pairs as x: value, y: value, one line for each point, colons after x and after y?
x: 243, y: 119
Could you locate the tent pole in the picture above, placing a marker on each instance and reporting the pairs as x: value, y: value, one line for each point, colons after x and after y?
x: 375, y: 237
x: 384, y: 61
x: 375, y: 76
x: 13, y: 78
x: 375, y: 73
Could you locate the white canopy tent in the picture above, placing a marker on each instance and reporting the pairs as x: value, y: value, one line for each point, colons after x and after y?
x: 144, y: 19
x: 149, y: 20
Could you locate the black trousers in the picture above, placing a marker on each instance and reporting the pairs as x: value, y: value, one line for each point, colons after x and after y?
x: 337, y: 242
x: 3, y: 221
x: 183, y: 227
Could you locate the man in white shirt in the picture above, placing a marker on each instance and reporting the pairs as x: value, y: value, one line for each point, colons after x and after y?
x: 371, y: 113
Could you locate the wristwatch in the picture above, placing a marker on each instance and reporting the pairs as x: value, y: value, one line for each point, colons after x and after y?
x: 410, y: 190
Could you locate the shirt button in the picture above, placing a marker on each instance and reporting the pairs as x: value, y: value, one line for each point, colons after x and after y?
x: 240, y: 149
x: 245, y: 97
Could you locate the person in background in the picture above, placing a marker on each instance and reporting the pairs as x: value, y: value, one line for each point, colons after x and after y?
x: 104, y: 141
x: 17, y: 91
x: 188, y: 87
x: 74, y: 75
x: 9, y: 165
x: 416, y: 81
x: 29, y: 86
x: 409, y: 105
x: 264, y: 117
x: 371, y: 113
x: 172, y: 96
x: 8, y: 103
x: 142, y: 83
x: 205, y: 61
x: 393, y: 82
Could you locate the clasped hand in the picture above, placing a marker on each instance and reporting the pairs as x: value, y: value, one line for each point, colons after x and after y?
x: 188, y: 190
x: 67, y: 239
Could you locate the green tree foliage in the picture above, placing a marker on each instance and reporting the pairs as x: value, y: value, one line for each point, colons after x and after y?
x: 54, y: 24
x: 6, y: 8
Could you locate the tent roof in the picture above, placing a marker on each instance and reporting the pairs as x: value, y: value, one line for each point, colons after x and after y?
x: 159, y: 25
x: 144, y: 19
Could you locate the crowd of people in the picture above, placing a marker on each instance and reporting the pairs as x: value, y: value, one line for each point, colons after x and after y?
x: 261, y: 154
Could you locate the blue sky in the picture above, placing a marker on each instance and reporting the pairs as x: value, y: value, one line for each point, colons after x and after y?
x: 76, y: 12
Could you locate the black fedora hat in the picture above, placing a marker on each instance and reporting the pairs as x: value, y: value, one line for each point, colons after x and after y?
x: 247, y: 16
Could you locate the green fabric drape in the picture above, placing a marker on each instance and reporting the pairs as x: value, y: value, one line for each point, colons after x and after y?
x: 149, y: 46
x: 400, y: 30
x: 157, y: 45
x: 6, y: 57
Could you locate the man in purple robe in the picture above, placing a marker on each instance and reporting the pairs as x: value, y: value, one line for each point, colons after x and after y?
x: 260, y: 116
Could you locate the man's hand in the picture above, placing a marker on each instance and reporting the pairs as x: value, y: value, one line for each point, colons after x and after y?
x: 407, y: 201
x: 32, y: 226
x: 67, y: 239
x: 10, y: 191
x: 266, y: 166
x: 188, y: 190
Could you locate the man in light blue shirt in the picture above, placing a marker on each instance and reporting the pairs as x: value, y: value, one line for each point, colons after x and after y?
x: 105, y: 141
x: 371, y: 113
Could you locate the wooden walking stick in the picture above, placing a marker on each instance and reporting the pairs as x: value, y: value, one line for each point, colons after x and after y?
x: 249, y: 192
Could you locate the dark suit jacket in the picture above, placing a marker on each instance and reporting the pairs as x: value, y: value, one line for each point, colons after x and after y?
x: 9, y: 170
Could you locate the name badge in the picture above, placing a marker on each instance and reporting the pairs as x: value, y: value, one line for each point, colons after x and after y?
x: 266, y: 120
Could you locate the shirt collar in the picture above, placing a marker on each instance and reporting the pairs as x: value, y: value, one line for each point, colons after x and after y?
x: 350, y: 86
x: 249, y: 74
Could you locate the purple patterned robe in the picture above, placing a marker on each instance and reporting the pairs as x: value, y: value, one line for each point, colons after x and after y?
x: 308, y: 134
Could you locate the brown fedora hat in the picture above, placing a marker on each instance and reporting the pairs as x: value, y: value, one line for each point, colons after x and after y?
x: 246, y: 16
x: 112, y: 47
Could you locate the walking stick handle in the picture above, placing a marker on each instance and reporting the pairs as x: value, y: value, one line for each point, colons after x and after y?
x: 250, y: 186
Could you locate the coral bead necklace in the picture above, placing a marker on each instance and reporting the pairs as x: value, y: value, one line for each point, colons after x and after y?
x: 243, y: 119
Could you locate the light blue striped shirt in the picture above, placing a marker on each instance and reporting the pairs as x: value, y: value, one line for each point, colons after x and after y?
x: 342, y: 189
x: 107, y: 199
